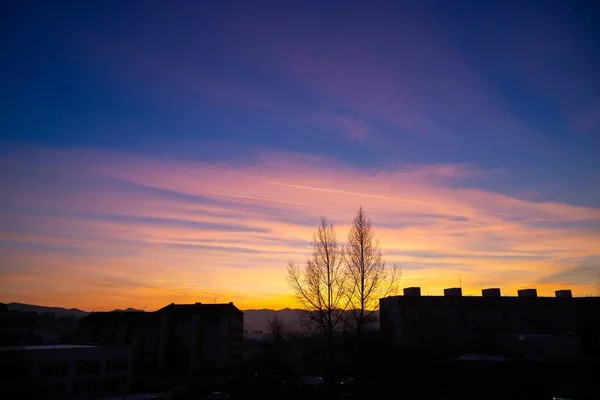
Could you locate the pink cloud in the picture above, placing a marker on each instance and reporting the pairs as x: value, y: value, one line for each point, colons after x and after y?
x: 199, y: 227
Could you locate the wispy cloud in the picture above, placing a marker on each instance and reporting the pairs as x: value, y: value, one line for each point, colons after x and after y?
x: 425, y: 86
x: 351, y: 127
x: 402, y: 72
x: 197, y: 227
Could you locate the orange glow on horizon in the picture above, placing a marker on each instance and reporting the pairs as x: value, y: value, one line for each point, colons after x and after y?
x: 125, y: 232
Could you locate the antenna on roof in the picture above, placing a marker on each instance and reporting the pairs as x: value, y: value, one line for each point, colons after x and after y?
x: 459, y: 281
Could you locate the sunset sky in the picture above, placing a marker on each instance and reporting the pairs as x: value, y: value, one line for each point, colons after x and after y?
x: 155, y: 152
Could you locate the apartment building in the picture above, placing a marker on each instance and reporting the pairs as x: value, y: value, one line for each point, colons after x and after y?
x: 178, y: 339
x: 454, y: 323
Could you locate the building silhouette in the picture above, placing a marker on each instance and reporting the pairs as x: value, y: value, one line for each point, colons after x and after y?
x: 64, y: 371
x: 491, y: 323
x: 178, y: 339
x: 16, y: 326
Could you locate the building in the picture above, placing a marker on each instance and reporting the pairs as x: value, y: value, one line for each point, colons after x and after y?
x: 64, y: 371
x: 29, y: 327
x: 136, y: 329
x: 454, y: 323
x: 199, y: 337
x: 178, y: 339
x: 16, y: 327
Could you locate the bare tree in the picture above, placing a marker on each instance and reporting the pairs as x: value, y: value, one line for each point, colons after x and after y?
x: 277, y: 353
x: 278, y: 329
x: 368, y: 277
x: 319, y: 286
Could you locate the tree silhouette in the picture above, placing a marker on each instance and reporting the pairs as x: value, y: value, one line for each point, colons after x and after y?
x: 320, y: 285
x: 278, y: 329
x: 368, y: 277
x: 277, y: 352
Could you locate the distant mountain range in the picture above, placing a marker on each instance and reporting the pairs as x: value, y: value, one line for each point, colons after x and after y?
x: 58, y: 311
x: 258, y: 320
x: 254, y: 320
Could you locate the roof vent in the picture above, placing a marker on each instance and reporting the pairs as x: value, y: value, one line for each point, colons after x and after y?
x: 563, y: 293
x: 453, y: 292
x: 490, y: 292
x: 527, y: 293
x: 412, y: 291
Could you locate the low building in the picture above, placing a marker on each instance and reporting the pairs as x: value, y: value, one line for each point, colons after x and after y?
x: 178, y: 339
x: 64, y: 371
x: 17, y: 327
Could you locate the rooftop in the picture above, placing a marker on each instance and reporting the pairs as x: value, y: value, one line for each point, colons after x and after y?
x: 486, y: 292
x: 172, y: 309
x: 45, y: 347
x: 199, y: 308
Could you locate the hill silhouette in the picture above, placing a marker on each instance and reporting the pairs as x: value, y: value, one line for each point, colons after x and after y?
x: 254, y: 319
x: 58, y: 311
x: 258, y: 320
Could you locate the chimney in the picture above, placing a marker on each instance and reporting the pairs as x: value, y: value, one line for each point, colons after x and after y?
x: 453, y: 292
x: 564, y: 293
x: 527, y: 293
x: 490, y: 292
x: 412, y: 291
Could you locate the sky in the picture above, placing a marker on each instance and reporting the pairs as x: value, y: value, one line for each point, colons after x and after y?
x: 155, y: 152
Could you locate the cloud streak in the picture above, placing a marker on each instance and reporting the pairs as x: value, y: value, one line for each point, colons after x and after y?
x: 413, y: 201
x: 184, y: 228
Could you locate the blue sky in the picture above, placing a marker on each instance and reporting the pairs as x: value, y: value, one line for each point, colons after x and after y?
x: 416, y: 99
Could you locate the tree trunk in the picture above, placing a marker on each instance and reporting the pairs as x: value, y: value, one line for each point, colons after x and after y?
x: 330, y: 347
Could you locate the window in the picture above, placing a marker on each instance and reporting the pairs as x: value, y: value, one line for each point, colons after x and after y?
x: 117, y: 365
x: 115, y: 385
x: 48, y: 391
x: 89, y: 386
x: 53, y: 370
x: 88, y: 367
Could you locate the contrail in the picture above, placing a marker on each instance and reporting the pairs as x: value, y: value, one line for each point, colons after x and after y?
x: 260, y: 198
x: 375, y: 196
